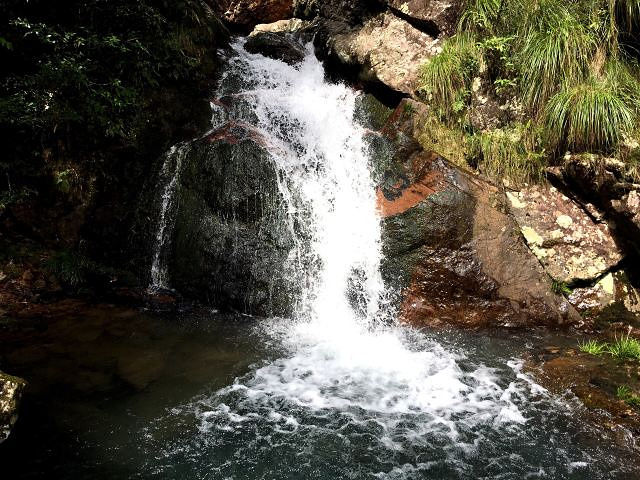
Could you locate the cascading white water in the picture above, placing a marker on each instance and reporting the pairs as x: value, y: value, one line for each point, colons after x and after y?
x: 169, y: 178
x: 340, y: 357
x: 343, y: 392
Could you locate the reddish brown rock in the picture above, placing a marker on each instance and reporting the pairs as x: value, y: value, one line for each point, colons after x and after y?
x: 451, y: 247
x: 246, y: 14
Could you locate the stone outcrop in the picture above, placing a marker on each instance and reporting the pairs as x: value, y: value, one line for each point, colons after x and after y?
x: 451, y: 246
x: 11, y: 389
x: 246, y: 14
x: 434, y: 16
x: 230, y: 241
x: 386, y: 49
x: 276, y: 45
x: 572, y: 246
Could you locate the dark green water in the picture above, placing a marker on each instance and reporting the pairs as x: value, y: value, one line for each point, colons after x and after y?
x: 117, y: 393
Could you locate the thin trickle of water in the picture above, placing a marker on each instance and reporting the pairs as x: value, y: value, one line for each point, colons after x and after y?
x: 168, y: 184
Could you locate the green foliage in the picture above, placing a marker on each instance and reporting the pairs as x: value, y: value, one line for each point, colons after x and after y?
x: 446, y: 78
x: 593, y: 347
x: 76, y: 270
x: 82, y: 76
x: 556, y: 52
x: 625, y: 348
x: 480, y: 16
x: 625, y: 394
x: 508, y: 153
x: 594, y: 115
x: 560, y: 288
x: 70, y: 268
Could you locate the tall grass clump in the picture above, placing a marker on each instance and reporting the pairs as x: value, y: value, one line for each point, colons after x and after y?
x: 625, y: 348
x: 594, y: 115
x: 556, y: 51
x: 447, y: 77
x: 480, y: 16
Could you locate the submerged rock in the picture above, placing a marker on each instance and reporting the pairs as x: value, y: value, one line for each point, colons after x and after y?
x: 451, y: 247
x: 11, y: 389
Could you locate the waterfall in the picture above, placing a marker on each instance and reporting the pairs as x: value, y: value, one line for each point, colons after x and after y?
x: 168, y: 182
x: 340, y: 355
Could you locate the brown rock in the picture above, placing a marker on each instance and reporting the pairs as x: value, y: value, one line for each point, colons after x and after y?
x: 246, y: 14
x: 451, y: 247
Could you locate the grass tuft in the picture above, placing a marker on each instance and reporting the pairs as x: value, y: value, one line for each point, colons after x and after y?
x: 625, y: 394
x: 556, y: 52
x: 594, y: 115
x: 446, y: 78
x: 625, y: 348
x: 593, y: 347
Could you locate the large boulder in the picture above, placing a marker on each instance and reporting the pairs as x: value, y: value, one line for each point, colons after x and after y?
x: 231, y: 238
x: 277, y: 45
x: 11, y: 389
x: 452, y: 249
x: 572, y: 245
x: 385, y: 49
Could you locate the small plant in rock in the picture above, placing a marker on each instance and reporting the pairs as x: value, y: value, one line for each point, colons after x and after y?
x: 625, y: 348
x: 625, y: 394
x: 561, y: 288
x: 593, y: 347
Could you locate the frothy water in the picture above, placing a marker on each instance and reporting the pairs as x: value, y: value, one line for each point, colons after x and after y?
x: 348, y: 394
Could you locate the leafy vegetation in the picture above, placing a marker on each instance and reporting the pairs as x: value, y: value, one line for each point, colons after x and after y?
x: 570, y: 67
x: 624, y: 348
x: 593, y: 347
x: 625, y: 394
x: 91, y: 92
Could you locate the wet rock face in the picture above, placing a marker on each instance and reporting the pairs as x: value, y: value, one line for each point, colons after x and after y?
x: 11, y: 389
x: 246, y: 14
x: 452, y: 249
x: 231, y: 241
